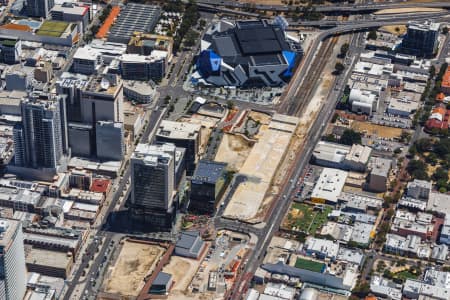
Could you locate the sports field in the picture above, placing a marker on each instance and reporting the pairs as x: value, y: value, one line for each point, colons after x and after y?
x: 309, y: 265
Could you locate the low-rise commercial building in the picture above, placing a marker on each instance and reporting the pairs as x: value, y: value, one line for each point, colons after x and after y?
x: 49, y: 32
x: 140, y: 67
x: 141, y: 92
x: 333, y: 155
x: 435, y: 285
x: 329, y: 186
x: 364, y: 102
x: 144, y: 43
x: 49, y: 263
x: 379, y: 173
x: 322, y: 249
x: 419, y: 189
x: 190, y: 244
x: 71, y: 12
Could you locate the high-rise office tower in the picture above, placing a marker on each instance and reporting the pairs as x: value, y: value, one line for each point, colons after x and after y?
x: 13, y: 279
x: 102, y: 100
x: 90, y: 101
x: 153, y: 181
x: 421, y: 39
x: 39, y: 8
x: 41, y: 139
x: 109, y: 140
x: 72, y: 85
x: 184, y: 135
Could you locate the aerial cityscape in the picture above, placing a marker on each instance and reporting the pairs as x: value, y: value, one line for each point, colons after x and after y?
x: 224, y: 149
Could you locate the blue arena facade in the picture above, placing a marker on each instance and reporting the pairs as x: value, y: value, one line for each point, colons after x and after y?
x: 254, y: 53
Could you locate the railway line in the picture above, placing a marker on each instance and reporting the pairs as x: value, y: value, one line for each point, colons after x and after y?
x: 306, y: 90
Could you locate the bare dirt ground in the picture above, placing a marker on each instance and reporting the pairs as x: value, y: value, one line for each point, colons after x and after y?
x: 394, y: 29
x: 306, y: 119
x: 207, y: 124
x: 378, y: 130
x: 406, y: 10
x: 135, y: 261
x: 233, y: 150
x: 258, y: 116
x: 182, y: 270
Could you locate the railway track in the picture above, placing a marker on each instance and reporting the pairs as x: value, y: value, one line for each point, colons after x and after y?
x: 306, y: 90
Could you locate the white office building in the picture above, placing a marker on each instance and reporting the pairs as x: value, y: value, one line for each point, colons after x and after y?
x: 364, y: 102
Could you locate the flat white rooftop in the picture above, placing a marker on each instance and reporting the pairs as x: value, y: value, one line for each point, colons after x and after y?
x: 329, y: 185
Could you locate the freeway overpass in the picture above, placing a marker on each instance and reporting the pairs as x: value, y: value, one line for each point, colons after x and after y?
x: 343, y: 8
x: 397, y: 17
x: 221, y: 9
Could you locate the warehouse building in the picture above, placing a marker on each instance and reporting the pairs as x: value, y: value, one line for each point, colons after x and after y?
x: 190, y: 244
x: 332, y: 155
x: 329, y: 186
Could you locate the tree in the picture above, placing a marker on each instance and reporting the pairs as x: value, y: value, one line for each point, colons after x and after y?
x: 191, y: 37
x: 330, y: 138
x: 344, y: 50
x: 431, y: 158
x: 338, y: 68
x: 390, y: 213
x: 202, y: 23
x: 432, y: 71
x: 442, y: 147
x: 230, y: 104
x: 405, y: 137
x: 372, y: 35
x: 440, y: 174
x: 350, y: 137
x: 362, y: 289
x: 167, y: 99
x: 417, y: 169
x: 424, y: 145
x: 335, y: 117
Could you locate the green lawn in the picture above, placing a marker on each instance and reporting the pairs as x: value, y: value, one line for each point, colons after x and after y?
x: 307, y: 218
x: 405, y: 275
x: 310, y: 265
x: 52, y: 28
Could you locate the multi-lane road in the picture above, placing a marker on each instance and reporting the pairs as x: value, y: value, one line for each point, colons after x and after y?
x: 335, y: 9
x: 92, y: 259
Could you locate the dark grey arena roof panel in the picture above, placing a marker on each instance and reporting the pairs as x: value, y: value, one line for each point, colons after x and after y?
x: 225, y: 46
x: 258, y: 40
x: 270, y: 59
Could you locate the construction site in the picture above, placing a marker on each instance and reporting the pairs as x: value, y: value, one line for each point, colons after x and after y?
x: 271, y: 138
x: 136, y: 261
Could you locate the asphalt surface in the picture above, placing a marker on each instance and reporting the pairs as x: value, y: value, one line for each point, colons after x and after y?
x: 105, y: 229
x: 338, y: 8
